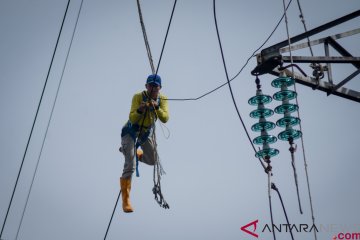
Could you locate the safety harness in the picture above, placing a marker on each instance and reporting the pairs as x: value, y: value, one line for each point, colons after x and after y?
x: 140, y: 133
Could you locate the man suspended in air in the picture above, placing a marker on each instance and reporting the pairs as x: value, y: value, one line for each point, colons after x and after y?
x: 137, y: 138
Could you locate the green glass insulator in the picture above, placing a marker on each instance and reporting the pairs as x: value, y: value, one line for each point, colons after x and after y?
x: 288, y: 121
x: 285, y: 95
x: 281, y: 81
x: 263, y: 112
x: 286, y: 108
x: 271, y: 152
x: 255, y: 100
x: 285, y: 135
x: 264, y: 139
x: 258, y: 127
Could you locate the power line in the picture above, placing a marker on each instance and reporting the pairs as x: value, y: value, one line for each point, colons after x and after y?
x: 166, y: 35
x: 112, y: 215
x: 50, y: 118
x: 267, y: 170
x: 242, y: 68
x: 229, y: 84
x: 35, y: 118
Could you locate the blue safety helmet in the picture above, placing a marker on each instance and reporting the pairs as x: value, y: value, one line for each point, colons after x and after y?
x: 154, y: 79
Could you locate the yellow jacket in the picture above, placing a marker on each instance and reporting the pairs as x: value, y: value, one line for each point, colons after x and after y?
x: 151, y: 114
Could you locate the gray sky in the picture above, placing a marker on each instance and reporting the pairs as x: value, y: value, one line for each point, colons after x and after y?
x: 214, y: 184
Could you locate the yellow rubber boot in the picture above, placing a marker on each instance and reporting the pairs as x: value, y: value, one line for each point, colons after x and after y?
x: 125, y: 184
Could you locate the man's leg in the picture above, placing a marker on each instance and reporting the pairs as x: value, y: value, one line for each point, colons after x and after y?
x: 150, y: 155
x: 128, y: 149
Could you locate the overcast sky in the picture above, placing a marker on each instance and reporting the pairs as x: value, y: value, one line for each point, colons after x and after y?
x: 214, y: 184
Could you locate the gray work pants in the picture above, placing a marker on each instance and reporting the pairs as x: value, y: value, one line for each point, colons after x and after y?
x: 128, y: 149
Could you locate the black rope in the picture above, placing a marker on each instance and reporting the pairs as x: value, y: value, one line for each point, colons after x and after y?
x: 230, y: 88
x: 147, y: 45
x: 283, y: 206
x: 112, y: 215
x: 242, y: 68
x: 35, y: 118
x: 50, y: 118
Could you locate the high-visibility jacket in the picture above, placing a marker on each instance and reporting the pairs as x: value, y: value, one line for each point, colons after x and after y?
x: 136, y: 119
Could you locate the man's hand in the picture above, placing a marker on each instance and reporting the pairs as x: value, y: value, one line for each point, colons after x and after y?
x: 154, y: 104
x: 142, y: 107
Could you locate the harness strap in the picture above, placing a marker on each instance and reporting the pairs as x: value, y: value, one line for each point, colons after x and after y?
x: 137, y: 160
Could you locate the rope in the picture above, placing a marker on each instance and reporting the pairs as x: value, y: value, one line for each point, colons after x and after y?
x: 147, y: 41
x: 229, y: 84
x: 35, y: 119
x: 242, y: 68
x: 147, y: 45
x: 300, y: 125
x: 48, y: 124
x: 158, y: 172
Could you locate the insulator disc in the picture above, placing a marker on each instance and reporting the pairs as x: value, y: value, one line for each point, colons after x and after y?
x: 286, y: 108
x: 264, y: 139
x: 271, y: 152
x: 255, y: 100
x: 279, y: 82
x: 285, y: 135
x: 285, y: 95
x: 257, y: 127
x: 264, y: 112
x: 288, y: 121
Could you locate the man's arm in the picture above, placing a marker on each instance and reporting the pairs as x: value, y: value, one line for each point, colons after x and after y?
x: 135, y: 114
x: 163, y: 111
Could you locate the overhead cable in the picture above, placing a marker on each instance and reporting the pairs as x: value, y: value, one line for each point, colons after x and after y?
x: 35, y: 119
x: 242, y: 68
x: 49, y: 121
x: 229, y: 84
